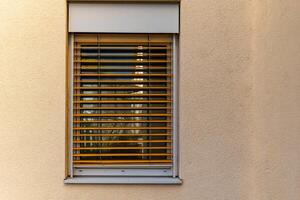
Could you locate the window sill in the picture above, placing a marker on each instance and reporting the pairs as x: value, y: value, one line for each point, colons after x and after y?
x: 124, y: 180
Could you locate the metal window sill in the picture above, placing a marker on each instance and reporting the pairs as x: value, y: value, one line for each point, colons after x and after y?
x: 125, y: 180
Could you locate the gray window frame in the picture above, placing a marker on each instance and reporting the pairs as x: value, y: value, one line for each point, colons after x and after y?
x: 125, y: 174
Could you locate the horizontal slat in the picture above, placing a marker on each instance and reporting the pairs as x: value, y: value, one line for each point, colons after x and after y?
x: 122, y: 61
x: 120, y: 135
x: 104, y: 42
x: 120, y: 161
x: 138, y: 67
x: 122, y: 128
x: 121, y: 141
x: 138, y: 54
x: 122, y: 115
x: 123, y: 75
x: 124, y: 121
x: 121, y: 95
x: 120, y: 148
x: 123, y: 154
x: 129, y: 55
x: 125, y: 48
x: 121, y: 88
x: 124, y: 101
x: 122, y: 81
x: 123, y: 108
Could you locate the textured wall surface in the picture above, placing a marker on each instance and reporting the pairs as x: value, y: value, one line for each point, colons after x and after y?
x: 276, y: 111
x: 239, y: 103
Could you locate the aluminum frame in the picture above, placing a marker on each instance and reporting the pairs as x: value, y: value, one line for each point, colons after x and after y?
x: 128, y: 171
x: 71, y: 167
x: 125, y: 180
x: 175, y: 107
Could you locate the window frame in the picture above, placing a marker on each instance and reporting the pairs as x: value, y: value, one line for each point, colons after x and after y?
x: 121, y: 174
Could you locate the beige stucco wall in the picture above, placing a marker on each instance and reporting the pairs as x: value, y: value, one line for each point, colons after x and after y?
x: 239, y: 103
x: 276, y: 111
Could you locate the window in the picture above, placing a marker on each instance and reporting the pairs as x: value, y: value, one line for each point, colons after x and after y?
x: 122, y: 108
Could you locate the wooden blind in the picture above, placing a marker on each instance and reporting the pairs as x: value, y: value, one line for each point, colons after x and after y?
x: 122, y: 99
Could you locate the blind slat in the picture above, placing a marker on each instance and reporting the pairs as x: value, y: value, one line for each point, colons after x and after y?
x: 125, y: 48
x: 124, y: 101
x: 124, y: 121
x: 122, y: 128
x: 123, y: 108
x: 121, y: 148
x: 147, y: 75
x: 122, y: 115
x: 125, y: 154
x: 121, y: 135
x: 120, y: 161
x: 123, y: 141
x: 121, y: 88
